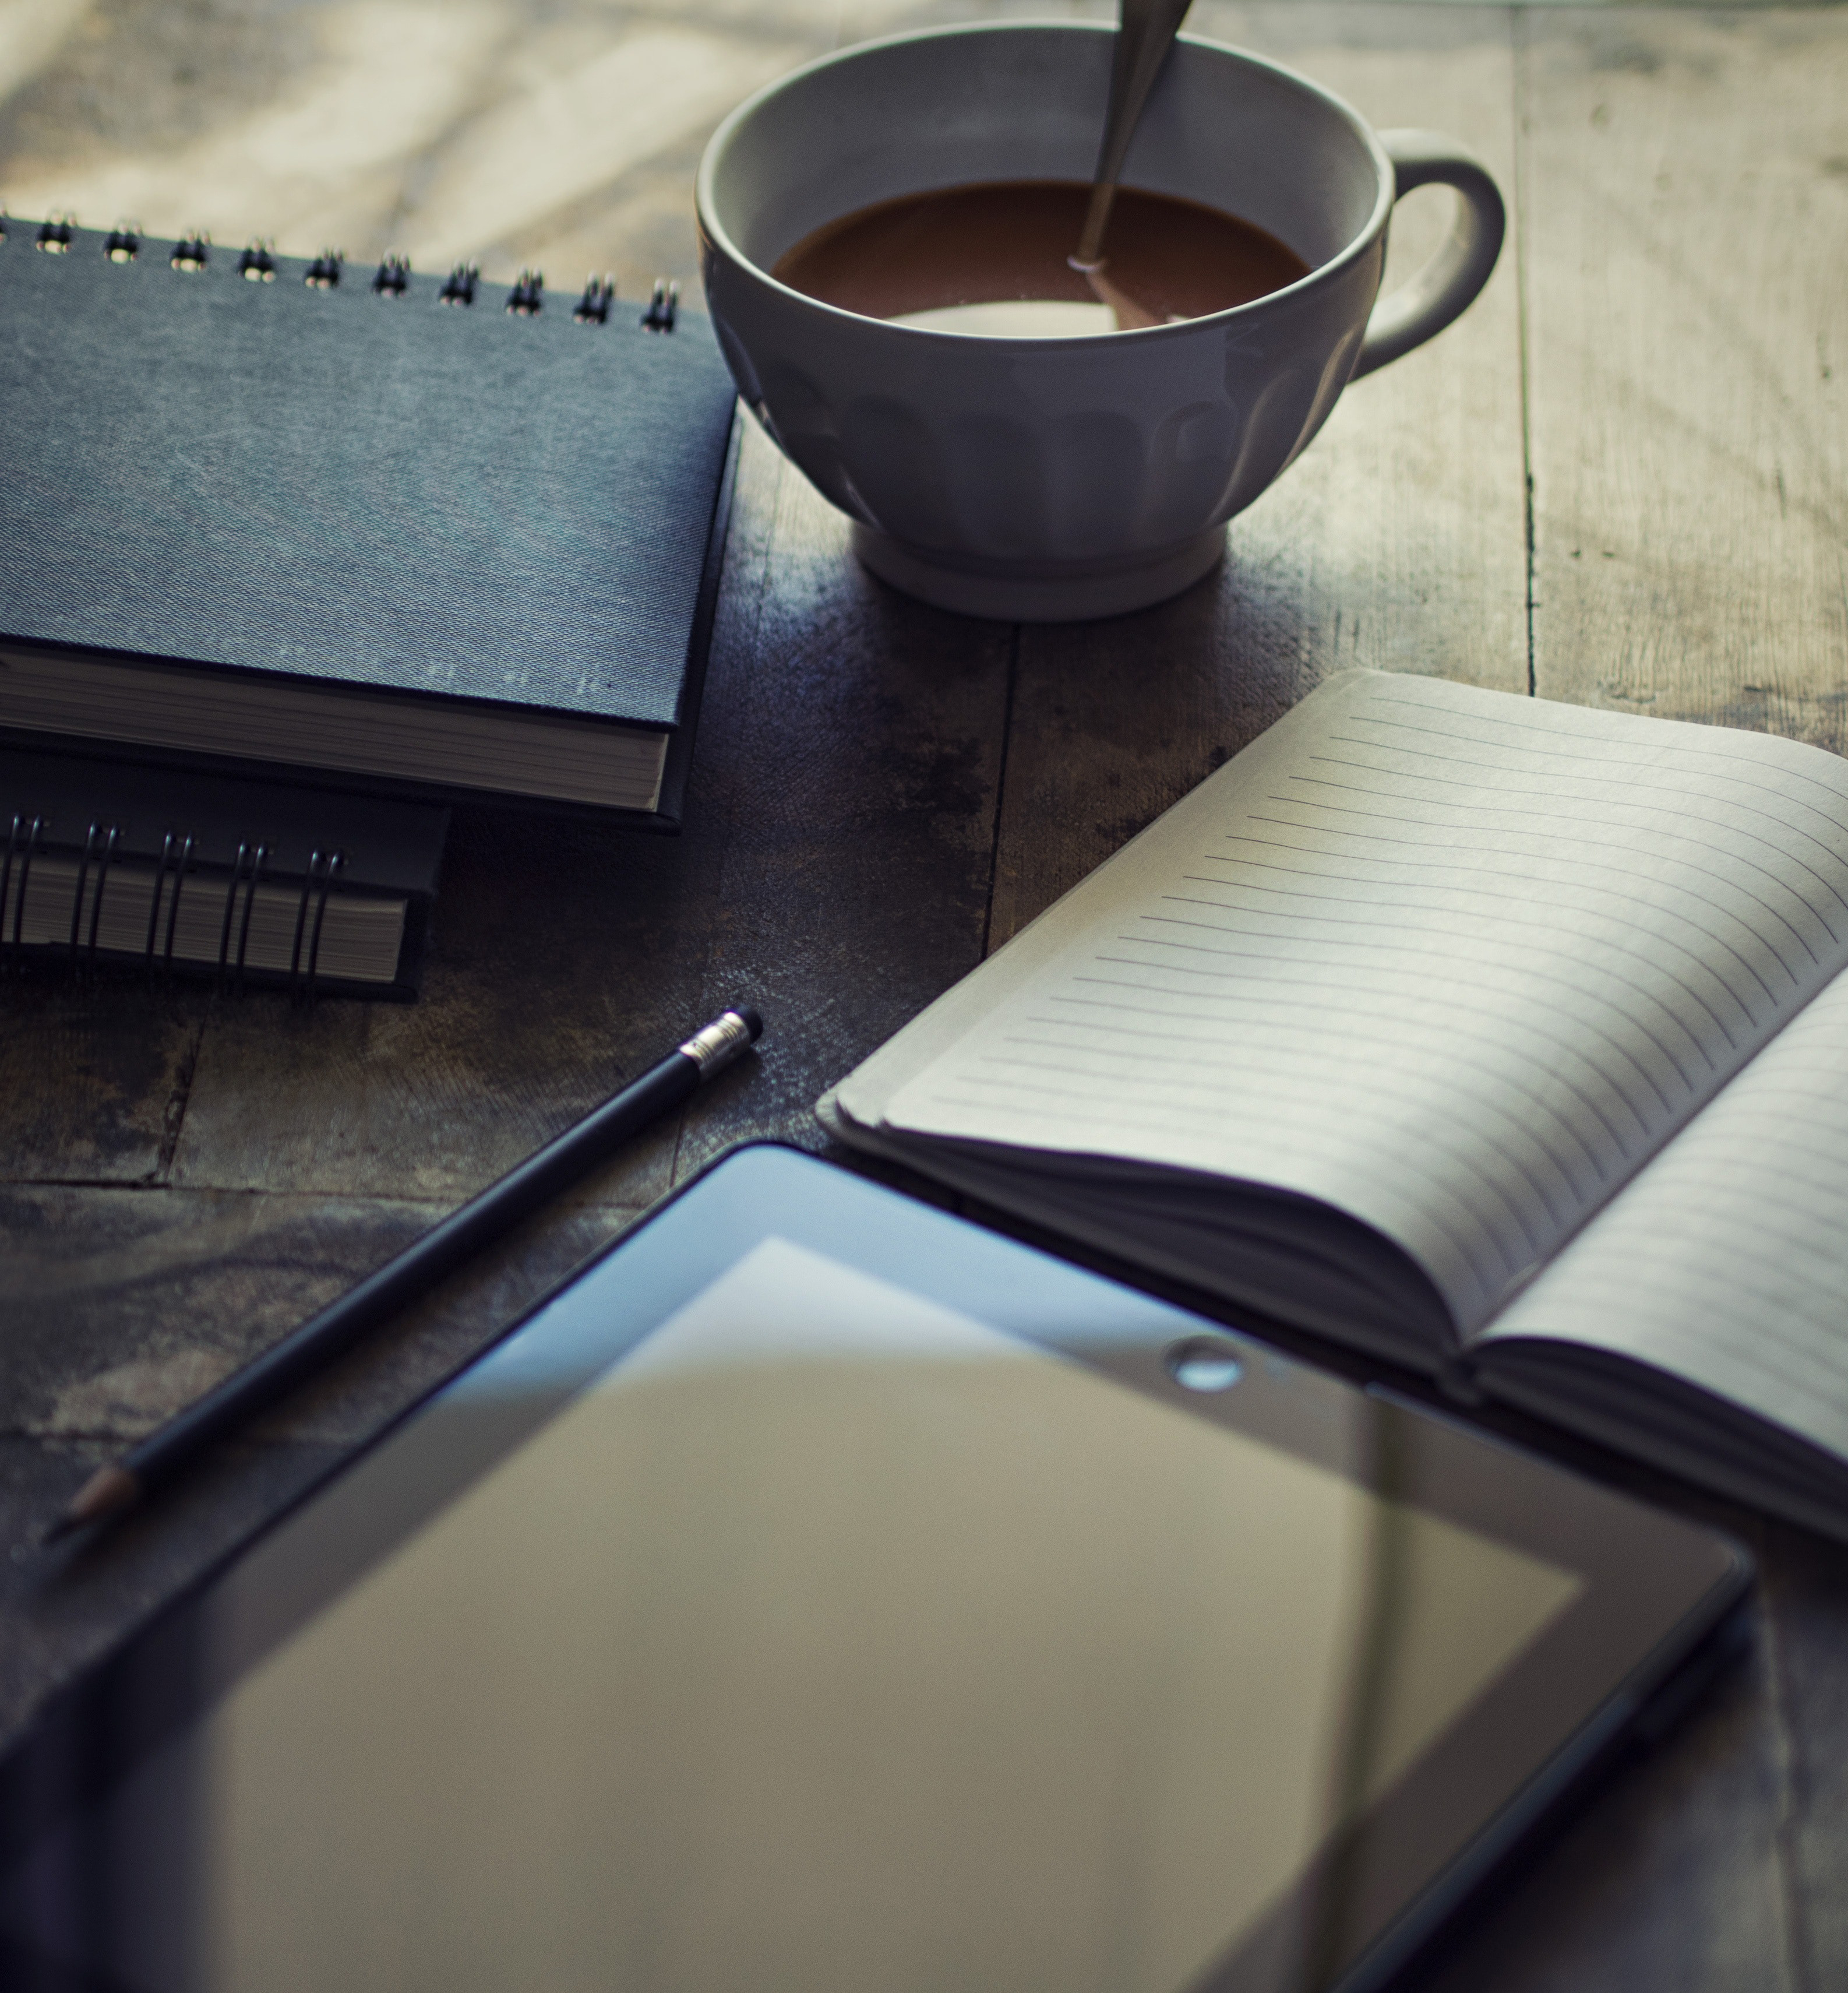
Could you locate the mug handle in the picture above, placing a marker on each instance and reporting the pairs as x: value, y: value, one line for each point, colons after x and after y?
x: 1427, y: 303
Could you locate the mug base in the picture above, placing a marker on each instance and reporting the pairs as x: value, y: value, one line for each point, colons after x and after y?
x: 1039, y: 593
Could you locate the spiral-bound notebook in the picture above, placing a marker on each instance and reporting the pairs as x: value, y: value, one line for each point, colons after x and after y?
x: 382, y: 529
x: 261, y: 882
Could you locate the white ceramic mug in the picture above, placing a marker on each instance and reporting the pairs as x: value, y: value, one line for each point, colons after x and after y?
x: 1048, y: 479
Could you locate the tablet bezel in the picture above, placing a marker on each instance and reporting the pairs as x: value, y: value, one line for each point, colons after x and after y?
x: 1655, y: 1587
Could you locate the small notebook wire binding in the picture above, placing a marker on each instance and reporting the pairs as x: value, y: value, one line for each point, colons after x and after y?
x: 231, y: 905
x: 593, y: 306
x: 22, y: 841
x: 258, y: 858
x: 176, y: 856
x: 392, y: 278
x: 77, y: 904
x: 101, y: 849
x: 111, y: 843
x: 179, y: 876
x: 335, y: 860
x: 35, y: 832
x: 6, y: 874
x: 662, y: 306
x: 321, y: 867
x: 160, y: 880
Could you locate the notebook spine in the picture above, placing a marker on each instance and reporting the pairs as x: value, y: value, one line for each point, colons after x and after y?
x: 101, y: 855
x: 257, y: 263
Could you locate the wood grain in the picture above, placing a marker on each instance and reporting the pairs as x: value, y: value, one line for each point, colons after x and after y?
x: 882, y: 791
x: 93, y: 1077
x: 1685, y: 219
x: 852, y: 743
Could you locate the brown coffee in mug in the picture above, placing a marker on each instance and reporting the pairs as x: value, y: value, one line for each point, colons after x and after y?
x: 993, y: 257
x: 1049, y: 478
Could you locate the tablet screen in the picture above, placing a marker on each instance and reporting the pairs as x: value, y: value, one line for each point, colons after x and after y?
x: 830, y: 1638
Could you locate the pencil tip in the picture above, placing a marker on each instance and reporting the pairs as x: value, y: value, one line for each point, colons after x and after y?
x: 108, y: 1489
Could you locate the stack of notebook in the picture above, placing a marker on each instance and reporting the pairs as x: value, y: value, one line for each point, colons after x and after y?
x: 115, y: 866
x: 382, y: 534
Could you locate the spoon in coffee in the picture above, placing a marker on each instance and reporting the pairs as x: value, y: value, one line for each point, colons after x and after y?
x: 1145, y: 32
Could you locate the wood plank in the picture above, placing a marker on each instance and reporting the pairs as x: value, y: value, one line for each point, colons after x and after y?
x: 845, y: 797
x: 1806, y: 1593
x: 1687, y: 251
x: 1686, y: 229
x: 1398, y: 540
x: 94, y: 1076
x: 854, y: 749
x: 517, y: 133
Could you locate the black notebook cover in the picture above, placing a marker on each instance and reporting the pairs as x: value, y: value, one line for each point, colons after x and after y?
x: 116, y: 865
x: 347, y: 487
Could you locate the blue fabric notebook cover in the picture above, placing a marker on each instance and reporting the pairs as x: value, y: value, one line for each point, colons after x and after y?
x: 340, y: 485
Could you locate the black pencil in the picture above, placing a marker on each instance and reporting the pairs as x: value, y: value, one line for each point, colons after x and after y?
x: 416, y: 1270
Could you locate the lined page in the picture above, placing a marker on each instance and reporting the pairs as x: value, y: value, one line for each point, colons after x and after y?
x: 1455, y: 962
x: 1726, y: 1261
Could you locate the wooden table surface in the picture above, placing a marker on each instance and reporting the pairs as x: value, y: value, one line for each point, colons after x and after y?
x: 1622, y: 479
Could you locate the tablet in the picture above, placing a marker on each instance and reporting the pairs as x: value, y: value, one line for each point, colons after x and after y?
x: 818, y: 1593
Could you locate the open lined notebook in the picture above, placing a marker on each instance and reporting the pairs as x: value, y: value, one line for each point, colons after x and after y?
x: 1483, y: 1033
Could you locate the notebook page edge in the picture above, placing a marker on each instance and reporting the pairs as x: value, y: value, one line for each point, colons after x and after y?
x: 1642, y: 749
x: 862, y: 1096
x: 1722, y: 1200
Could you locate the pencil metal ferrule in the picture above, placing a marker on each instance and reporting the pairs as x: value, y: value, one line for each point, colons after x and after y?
x: 718, y: 1044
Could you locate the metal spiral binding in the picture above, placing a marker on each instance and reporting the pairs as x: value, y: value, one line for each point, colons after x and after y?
x: 324, y: 272
x: 322, y: 867
x: 54, y: 236
x: 230, y: 908
x: 27, y: 837
x: 459, y: 286
x: 257, y: 265
x: 107, y: 837
x: 662, y: 306
x: 593, y: 306
x: 22, y: 841
x: 192, y: 252
x: 77, y: 904
x: 180, y: 869
x: 258, y: 858
x: 335, y: 860
x: 526, y: 297
x: 392, y: 278
x: 176, y: 856
x: 122, y: 245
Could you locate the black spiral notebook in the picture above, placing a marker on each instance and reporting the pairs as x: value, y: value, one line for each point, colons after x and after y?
x: 385, y: 530
x: 114, y: 866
